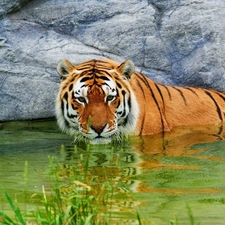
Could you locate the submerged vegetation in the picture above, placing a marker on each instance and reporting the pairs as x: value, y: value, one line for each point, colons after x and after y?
x: 147, y: 180
x: 71, y: 199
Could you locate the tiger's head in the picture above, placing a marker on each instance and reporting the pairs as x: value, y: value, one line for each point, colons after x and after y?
x: 95, y: 101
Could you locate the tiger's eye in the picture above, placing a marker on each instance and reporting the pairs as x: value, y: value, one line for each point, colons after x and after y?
x: 81, y: 99
x: 110, y: 98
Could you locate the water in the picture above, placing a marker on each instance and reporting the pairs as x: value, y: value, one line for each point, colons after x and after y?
x: 158, y: 176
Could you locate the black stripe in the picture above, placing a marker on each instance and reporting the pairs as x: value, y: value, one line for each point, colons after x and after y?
x: 125, y: 120
x: 118, y: 85
x: 67, y: 123
x: 63, y: 108
x: 217, y: 106
x: 70, y: 87
x: 220, y: 132
x: 143, y: 120
x: 140, y: 86
x: 104, y: 72
x: 167, y: 89
x: 65, y: 96
x: 71, y: 116
x: 161, y: 95
x: 145, y: 81
x: 129, y: 102
x: 110, y: 74
x: 85, y: 73
x: 85, y: 79
x: 164, y: 113
x: 124, y: 103
x: 181, y: 93
x: 101, y: 77
x: 190, y: 89
x: 74, y: 108
x: 218, y: 93
x: 105, y: 84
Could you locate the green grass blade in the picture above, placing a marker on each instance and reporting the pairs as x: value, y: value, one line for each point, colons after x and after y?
x: 191, y: 216
x: 175, y: 221
x: 7, y: 220
x: 15, y: 209
x: 139, y: 219
x: 88, y: 220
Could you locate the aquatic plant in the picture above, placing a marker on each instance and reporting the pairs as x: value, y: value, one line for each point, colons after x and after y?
x: 72, y: 204
x: 73, y: 199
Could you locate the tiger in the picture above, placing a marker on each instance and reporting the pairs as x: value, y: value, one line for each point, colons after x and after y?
x: 101, y: 101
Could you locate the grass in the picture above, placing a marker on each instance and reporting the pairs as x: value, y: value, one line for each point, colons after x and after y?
x: 191, y: 218
x: 79, y: 211
x: 72, y: 199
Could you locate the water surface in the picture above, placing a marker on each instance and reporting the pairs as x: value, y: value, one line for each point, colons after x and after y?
x: 156, y: 176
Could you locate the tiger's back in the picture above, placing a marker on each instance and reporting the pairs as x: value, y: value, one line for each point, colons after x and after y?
x: 102, y: 99
x: 163, y: 107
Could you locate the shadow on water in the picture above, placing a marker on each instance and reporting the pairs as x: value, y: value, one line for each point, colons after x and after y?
x: 157, y: 176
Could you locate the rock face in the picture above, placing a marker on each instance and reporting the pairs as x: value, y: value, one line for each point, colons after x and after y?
x: 177, y: 42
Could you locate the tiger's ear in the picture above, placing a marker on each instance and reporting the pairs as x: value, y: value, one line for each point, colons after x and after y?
x: 64, y: 67
x: 127, y: 68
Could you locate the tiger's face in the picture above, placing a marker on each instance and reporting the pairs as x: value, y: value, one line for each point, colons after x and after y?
x: 95, y: 101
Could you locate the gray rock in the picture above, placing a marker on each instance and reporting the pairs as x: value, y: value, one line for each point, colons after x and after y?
x: 175, y: 42
x: 8, y: 6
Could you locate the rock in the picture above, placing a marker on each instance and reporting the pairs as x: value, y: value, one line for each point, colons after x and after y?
x: 173, y: 42
x: 8, y: 6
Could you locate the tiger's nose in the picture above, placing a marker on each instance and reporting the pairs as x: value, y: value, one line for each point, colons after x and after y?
x: 98, y: 129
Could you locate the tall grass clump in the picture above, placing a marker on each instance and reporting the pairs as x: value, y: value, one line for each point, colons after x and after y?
x: 70, y: 204
x: 71, y: 196
x: 76, y: 196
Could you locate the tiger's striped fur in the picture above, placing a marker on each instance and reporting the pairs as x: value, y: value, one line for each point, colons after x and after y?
x: 102, y: 100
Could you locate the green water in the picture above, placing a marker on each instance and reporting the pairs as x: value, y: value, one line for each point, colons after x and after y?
x: 157, y: 176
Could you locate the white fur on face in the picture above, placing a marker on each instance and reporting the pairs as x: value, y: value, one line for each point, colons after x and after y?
x: 80, y: 90
x: 109, y: 88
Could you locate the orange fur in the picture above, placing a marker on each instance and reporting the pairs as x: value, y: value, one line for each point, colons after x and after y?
x: 153, y: 107
x: 164, y: 107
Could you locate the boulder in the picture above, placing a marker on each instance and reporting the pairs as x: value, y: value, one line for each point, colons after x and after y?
x: 173, y: 42
x: 8, y: 6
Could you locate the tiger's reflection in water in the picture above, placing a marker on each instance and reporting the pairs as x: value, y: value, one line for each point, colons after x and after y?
x: 109, y: 172
x: 124, y: 167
